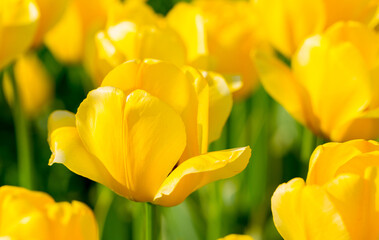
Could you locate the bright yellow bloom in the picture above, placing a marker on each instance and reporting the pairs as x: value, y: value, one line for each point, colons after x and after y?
x: 82, y: 18
x: 236, y: 237
x: 27, y: 214
x: 340, y: 198
x: 190, y: 34
x: 18, y: 24
x: 288, y: 23
x: 34, y: 83
x: 50, y: 13
x: 332, y: 84
x: 144, y: 134
x: 220, y: 36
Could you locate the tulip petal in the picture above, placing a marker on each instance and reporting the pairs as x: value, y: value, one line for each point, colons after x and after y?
x: 156, y: 138
x: 199, y: 171
x: 300, y: 211
x: 58, y: 119
x: 22, y: 213
x: 67, y: 148
x: 160, y: 79
x: 327, y: 159
x: 99, y: 121
x: 174, y: 87
x: 66, y: 39
x: 18, y: 24
x: 354, y: 130
x: 351, y: 10
x: 50, y: 14
x: 72, y: 221
x: 220, y: 104
x: 356, y: 199
x: 162, y: 43
x: 331, y: 159
x: 347, y: 68
x: 280, y: 83
x: 288, y: 23
x: 188, y: 22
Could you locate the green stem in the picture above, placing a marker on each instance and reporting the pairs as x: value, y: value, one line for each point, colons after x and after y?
x: 148, y: 221
x: 214, y: 211
x: 103, y: 204
x: 307, y: 145
x: 22, y: 135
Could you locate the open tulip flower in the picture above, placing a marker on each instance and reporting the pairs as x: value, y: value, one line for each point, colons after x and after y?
x: 332, y: 85
x: 288, y: 23
x: 18, y: 25
x: 192, y: 34
x: 340, y: 198
x: 26, y: 214
x: 144, y: 134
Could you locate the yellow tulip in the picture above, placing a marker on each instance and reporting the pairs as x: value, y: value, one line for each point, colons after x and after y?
x: 331, y: 86
x: 289, y: 23
x: 50, y: 13
x: 144, y: 134
x: 220, y: 36
x: 338, y: 201
x: 26, y: 214
x: 34, y: 83
x: 18, y: 24
x: 82, y: 18
x: 183, y: 37
x: 133, y: 31
x: 236, y: 237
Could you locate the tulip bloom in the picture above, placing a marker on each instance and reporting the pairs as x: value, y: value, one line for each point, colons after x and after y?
x: 144, y: 134
x: 27, y: 214
x: 220, y: 36
x: 18, y: 24
x: 34, y: 83
x: 332, y: 84
x: 289, y: 23
x: 339, y: 199
x: 190, y: 34
x: 82, y: 18
x: 236, y: 237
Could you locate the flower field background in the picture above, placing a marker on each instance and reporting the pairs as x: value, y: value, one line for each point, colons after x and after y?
x: 283, y: 118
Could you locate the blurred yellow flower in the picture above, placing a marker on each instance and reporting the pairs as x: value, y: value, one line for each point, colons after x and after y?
x: 340, y: 198
x: 191, y: 34
x: 82, y: 18
x: 133, y: 31
x: 220, y: 36
x: 144, y: 134
x: 236, y: 237
x: 26, y: 214
x: 18, y: 24
x: 332, y: 84
x: 289, y: 23
x: 50, y: 13
x: 34, y: 83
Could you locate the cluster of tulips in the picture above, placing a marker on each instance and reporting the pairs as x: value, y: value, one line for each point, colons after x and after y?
x: 161, y: 88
